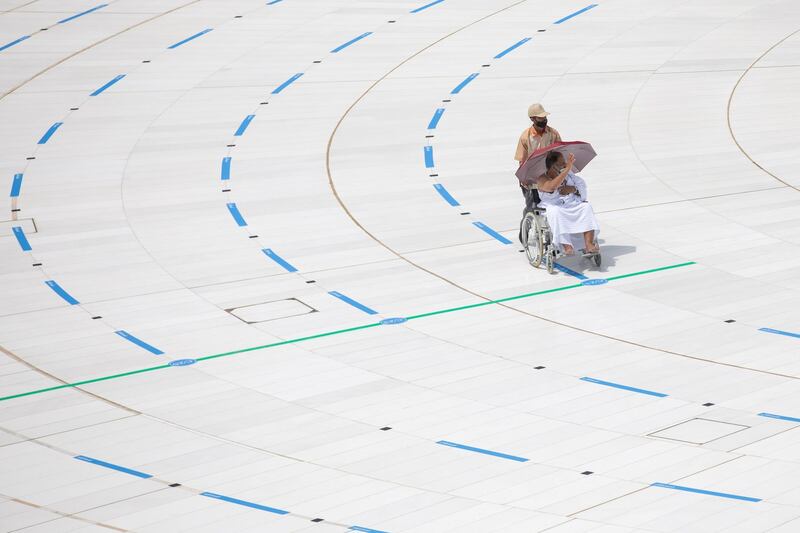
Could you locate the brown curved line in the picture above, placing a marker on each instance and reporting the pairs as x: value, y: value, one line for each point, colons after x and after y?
x: 35, y: 368
x: 464, y: 289
x: 18, y: 7
x: 347, y: 112
x: 5, y: 351
x: 730, y: 100
x: 101, y: 41
x: 73, y: 516
x: 29, y: 365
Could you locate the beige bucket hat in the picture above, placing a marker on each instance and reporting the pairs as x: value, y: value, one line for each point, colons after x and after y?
x: 536, y: 110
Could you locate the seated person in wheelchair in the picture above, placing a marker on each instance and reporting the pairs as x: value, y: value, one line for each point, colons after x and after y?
x: 569, y: 214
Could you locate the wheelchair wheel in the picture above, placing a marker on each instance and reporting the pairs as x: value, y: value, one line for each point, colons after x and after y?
x: 550, y: 262
x: 533, y: 244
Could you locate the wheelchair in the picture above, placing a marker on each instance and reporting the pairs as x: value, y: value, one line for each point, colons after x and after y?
x: 537, y: 238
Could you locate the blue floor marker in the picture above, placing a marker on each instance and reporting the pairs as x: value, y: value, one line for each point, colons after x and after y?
x: 706, y: 492
x: 595, y: 281
x: 16, y: 41
x: 243, y: 126
x: 481, y: 450
x: 780, y: 332
x: 464, y: 83
x: 61, y: 292
x: 780, y: 417
x: 193, y: 37
x: 624, y: 387
x: 428, y: 152
x: 107, y: 85
x: 49, y: 133
x: 73, y: 17
x: 446, y: 195
x: 237, y: 216
x: 366, y: 529
x: 21, y: 239
x: 243, y: 503
x: 512, y: 47
x: 352, y: 302
x: 426, y: 6
x: 16, y: 185
x: 226, y: 168
x: 435, y: 119
x: 112, y: 466
x: 578, y: 12
x: 569, y: 271
x: 274, y: 2
x: 351, y: 41
x: 285, y: 84
x: 139, y: 342
x: 491, y: 232
x: 278, y: 259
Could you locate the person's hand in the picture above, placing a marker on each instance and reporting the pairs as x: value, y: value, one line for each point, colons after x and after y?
x: 570, y: 161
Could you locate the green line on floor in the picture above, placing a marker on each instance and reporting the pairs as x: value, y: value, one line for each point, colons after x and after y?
x: 84, y: 382
x: 493, y: 302
x: 283, y: 343
x: 336, y: 332
x: 651, y: 271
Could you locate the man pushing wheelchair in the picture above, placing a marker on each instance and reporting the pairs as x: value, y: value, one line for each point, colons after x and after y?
x: 558, y: 218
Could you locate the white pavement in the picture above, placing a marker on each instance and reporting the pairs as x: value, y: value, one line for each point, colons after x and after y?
x: 259, y: 268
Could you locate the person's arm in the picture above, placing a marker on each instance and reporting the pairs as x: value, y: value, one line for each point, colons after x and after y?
x: 556, y: 136
x: 550, y: 185
x: 580, y: 184
x: 578, y: 187
x: 522, y: 150
x: 564, y: 190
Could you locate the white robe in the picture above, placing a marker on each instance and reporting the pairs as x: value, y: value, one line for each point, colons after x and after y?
x: 570, y: 215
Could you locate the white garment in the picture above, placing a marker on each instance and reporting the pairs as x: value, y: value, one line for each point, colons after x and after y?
x: 570, y: 215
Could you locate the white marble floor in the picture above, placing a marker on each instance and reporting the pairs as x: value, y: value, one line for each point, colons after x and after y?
x: 259, y: 267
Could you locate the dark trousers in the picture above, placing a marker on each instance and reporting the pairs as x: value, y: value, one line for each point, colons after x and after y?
x: 531, y: 198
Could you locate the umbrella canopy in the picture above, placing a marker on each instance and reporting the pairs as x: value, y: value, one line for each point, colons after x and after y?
x: 534, y: 166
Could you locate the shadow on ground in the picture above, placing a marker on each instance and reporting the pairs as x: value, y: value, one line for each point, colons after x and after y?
x: 609, y: 254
